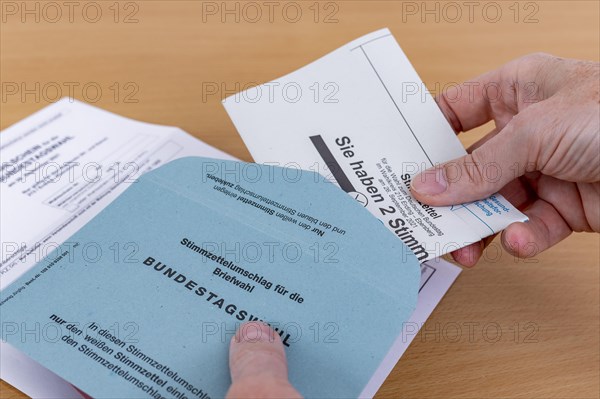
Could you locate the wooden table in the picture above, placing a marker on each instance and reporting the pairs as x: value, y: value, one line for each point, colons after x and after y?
x: 507, y: 328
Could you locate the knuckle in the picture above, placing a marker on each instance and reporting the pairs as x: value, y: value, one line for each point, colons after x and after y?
x: 539, y: 58
x: 479, y: 166
x: 473, y: 169
x: 536, y: 131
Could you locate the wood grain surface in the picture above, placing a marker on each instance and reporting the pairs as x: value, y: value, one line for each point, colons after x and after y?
x: 508, y: 328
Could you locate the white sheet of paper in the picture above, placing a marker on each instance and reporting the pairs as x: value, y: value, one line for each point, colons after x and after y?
x: 32, y: 378
x: 64, y: 164
x: 362, y: 117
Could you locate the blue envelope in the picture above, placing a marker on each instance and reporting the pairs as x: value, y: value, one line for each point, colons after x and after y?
x: 144, y: 299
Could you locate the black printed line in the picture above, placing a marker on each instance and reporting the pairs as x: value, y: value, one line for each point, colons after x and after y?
x: 332, y: 163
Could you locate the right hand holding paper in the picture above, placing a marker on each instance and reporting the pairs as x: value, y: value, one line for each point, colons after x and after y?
x: 362, y: 116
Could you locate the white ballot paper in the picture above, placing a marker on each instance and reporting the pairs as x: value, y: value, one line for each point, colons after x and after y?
x: 362, y: 117
x: 63, y: 165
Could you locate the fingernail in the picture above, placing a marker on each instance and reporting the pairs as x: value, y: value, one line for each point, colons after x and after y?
x: 430, y: 182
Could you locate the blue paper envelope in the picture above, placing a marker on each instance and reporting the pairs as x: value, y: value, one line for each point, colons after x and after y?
x: 143, y: 300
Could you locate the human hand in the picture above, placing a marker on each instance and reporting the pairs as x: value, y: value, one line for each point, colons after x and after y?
x: 543, y: 155
x: 258, y: 365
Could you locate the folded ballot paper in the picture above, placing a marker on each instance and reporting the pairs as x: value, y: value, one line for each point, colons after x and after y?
x: 131, y: 252
x: 362, y: 117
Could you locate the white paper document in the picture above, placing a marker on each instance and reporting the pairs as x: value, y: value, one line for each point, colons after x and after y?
x: 355, y: 117
x: 64, y: 164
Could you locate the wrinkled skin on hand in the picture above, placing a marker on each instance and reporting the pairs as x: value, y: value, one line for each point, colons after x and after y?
x: 544, y: 153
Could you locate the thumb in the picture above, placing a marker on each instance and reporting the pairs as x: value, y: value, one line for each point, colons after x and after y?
x: 258, y: 365
x: 477, y: 175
